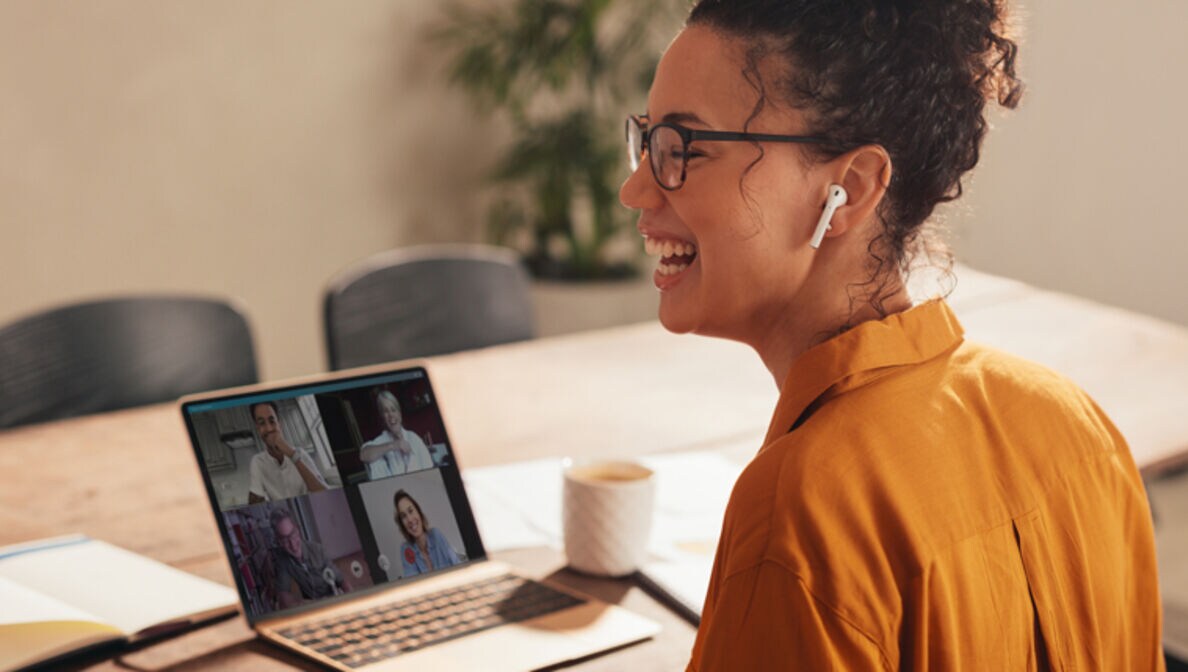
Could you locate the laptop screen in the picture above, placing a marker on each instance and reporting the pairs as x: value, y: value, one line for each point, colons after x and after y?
x: 332, y: 489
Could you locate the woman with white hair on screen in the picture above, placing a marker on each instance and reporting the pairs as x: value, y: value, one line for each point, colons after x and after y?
x: 395, y: 450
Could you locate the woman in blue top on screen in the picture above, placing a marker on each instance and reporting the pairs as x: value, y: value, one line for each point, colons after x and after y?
x: 425, y: 548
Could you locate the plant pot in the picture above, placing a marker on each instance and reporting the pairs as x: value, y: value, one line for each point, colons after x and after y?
x: 566, y: 307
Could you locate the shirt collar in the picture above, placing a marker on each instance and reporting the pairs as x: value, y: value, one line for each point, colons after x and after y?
x: 430, y: 546
x: 851, y: 359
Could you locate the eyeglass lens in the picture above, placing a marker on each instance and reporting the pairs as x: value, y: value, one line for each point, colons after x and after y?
x: 634, y: 143
x: 666, y: 148
x: 666, y: 151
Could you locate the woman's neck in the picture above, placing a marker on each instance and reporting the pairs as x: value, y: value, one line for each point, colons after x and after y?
x: 801, y: 328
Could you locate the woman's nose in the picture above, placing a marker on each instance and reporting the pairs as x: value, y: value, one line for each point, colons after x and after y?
x: 640, y: 191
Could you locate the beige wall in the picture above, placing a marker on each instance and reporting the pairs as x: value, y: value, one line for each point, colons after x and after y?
x: 1079, y: 190
x: 254, y: 149
x: 230, y: 148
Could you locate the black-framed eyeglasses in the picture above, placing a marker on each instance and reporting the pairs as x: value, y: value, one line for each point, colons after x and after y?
x: 667, y: 146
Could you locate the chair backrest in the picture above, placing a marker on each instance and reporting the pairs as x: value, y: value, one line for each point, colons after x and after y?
x: 117, y: 353
x: 426, y: 300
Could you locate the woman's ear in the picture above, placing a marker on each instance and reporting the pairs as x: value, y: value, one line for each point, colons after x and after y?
x: 865, y: 174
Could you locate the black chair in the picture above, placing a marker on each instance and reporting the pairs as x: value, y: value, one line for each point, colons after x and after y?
x: 118, y: 353
x: 428, y: 300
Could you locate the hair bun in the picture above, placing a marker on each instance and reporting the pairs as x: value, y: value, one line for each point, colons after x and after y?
x: 912, y: 76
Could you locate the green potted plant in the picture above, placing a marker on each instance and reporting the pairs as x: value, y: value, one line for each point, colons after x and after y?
x: 562, y: 74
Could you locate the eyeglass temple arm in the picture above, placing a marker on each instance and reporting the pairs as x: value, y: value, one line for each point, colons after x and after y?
x: 756, y: 137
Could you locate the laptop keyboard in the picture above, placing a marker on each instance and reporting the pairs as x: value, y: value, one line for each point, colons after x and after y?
x: 392, y: 629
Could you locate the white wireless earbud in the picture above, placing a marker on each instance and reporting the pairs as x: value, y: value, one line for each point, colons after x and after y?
x: 837, y: 198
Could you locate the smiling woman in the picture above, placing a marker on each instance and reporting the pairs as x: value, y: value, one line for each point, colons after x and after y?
x: 919, y: 500
x: 742, y: 272
x: 425, y: 548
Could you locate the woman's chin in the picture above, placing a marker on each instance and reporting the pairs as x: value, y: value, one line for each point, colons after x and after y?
x: 673, y: 318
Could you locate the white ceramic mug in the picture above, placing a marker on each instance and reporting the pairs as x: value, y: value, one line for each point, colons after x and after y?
x: 606, y: 513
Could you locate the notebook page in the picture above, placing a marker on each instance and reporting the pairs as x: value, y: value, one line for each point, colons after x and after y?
x: 35, y: 626
x: 21, y: 604
x: 122, y: 588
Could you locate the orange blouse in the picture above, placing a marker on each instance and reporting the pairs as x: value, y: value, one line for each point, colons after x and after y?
x: 923, y: 503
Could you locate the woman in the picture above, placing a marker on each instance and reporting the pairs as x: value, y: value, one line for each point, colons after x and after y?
x: 425, y: 548
x: 920, y: 502
x: 396, y: 450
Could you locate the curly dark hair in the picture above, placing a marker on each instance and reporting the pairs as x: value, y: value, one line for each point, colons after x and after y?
x: 911, y: 76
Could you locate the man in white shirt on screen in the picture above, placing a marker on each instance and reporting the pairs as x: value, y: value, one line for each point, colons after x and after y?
x: 281, y: 471
x: 396, y: 450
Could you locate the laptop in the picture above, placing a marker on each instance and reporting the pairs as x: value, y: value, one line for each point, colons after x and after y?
x: 343, y: 513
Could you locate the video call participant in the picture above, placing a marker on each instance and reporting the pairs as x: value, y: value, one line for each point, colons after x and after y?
x: 920, y: 501
x: 425, y: 548
x: 396, y: 450
x: 301, y: 566
x: 281, y: 471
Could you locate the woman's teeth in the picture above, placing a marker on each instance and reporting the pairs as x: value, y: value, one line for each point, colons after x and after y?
x: 668, y: 248
x: 674, y: 255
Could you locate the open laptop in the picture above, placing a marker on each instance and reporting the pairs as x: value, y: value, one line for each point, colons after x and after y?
x: 351, y: 539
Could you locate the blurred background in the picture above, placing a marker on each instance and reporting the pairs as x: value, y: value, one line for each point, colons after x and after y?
x: 254, y: 150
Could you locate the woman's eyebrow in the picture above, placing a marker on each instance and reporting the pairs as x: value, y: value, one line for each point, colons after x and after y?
x: 683, y: 117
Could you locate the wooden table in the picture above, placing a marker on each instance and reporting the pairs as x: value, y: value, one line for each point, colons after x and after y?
x: 129, y: 477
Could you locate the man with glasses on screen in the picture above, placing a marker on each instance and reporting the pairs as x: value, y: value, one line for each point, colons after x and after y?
x: 301, y: 564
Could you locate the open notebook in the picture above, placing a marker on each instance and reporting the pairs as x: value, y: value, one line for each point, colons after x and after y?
x: 58, y: 596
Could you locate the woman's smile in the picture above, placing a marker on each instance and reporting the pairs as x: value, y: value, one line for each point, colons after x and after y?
x: 673, y: 256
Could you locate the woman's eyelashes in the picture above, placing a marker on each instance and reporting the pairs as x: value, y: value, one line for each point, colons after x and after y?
x: 677, y: 155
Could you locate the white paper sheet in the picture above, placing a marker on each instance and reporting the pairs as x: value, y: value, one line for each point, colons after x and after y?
x: 518, y: 505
